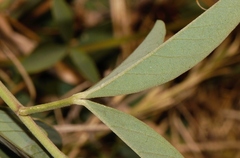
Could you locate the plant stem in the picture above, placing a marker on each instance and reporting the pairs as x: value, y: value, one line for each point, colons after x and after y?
x: 45, y: 107
x: 8, y: 98
x: 14, y: 104
x: 42, y: 137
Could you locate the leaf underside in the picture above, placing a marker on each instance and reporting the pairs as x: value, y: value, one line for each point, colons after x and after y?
x: 142, y: 139
x: 153, y: 63
x: 13, y: 136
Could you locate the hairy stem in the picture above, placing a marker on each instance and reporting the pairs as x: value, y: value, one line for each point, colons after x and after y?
x: 45, y: 107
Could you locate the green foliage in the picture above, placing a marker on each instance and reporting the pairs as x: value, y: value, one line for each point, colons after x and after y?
x: 43, y: 57
x: 121, y: 74
x: 14, y: 135
x: 137, y: 135
x: 154, y: 63
x: 63, y: 17
x: 151, y: 64
x: 85, y: 65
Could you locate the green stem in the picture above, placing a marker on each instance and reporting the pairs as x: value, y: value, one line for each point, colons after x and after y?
x: 42, y: 137
x: 8, y: 98
x: 14, y: 104
x: 45, y: 107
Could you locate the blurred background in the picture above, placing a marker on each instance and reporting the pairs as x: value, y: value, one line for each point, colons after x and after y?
x: 52, y: 49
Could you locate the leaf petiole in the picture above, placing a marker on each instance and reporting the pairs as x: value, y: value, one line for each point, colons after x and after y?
x: 45, y: 107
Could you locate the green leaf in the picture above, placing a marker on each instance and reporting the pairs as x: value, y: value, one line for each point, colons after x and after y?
x: 154, y: 39
x: 44, y: 57
x: 63, y: 17
x: 154, y: 63
x: 85, y: 65
x: 137, y: 135
x: 15, y: 138
x: 52, y: 134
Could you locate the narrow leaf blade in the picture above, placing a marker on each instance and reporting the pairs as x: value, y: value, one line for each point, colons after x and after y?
x: 43, y: 57
x: 52, y: 134
x: 155, y: 65
x: 137, y: 135
x: 63, y: 17
x: 18, y: 140
x: 85, y: 65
